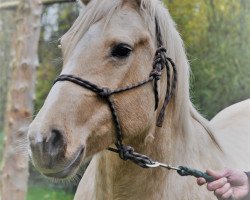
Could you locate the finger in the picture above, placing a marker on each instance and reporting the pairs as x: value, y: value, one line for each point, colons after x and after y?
x: 221, y: 191
x: 217, y: 174
x: 227, y: 195
x: 216, y: 184
x: 201, y: 181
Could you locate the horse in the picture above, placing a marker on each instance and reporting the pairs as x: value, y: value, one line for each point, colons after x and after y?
x: 112, y: 44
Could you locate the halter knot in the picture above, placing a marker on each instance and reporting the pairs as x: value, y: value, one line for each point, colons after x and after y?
x: 128, y: 153
x: 125, y: 152
x: 105, y: 93
x: 156, y: 74
x: 161, y: 50
x: 160, y: 58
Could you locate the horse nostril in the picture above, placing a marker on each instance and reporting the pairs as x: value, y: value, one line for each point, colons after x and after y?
x: 56, y: 143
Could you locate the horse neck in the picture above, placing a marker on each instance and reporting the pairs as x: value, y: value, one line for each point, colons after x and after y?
x: 117, y: 178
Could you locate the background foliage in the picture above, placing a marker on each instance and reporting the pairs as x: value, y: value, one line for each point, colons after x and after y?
x: 56, y: 21
x: 217, y: 39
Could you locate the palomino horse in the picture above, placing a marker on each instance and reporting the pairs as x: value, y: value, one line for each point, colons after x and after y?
x: 113, y: 44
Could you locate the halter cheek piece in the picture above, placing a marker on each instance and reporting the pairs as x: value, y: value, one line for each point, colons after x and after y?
x: 160, y: 62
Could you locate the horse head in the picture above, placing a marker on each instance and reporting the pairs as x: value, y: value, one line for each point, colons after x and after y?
x: 111, y: 44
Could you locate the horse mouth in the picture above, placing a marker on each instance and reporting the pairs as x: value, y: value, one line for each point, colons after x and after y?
x: 67, y: 171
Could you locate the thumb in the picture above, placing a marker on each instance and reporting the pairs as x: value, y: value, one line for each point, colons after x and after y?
x: 217, y: 174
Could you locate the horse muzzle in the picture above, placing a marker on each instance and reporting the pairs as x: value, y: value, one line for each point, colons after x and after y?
x: 49, y: 155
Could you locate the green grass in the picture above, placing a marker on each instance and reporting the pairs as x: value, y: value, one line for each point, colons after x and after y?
x: 42, y: 193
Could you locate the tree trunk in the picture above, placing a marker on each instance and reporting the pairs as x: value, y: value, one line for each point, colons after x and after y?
x: 20, y: 98
x: 6, y: 27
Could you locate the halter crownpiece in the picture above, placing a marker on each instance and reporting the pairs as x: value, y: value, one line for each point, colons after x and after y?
x: 160, y: 62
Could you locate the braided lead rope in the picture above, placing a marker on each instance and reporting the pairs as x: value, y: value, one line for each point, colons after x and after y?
x: 186, y: 171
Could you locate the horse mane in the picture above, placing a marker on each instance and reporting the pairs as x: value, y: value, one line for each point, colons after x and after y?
x: 183, y: 107
x: 182, y: 111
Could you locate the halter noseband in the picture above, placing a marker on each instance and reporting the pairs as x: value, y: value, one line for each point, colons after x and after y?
x: 160, y: 61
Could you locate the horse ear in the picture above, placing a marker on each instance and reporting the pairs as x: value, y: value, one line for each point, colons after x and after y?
x: 85, y: 2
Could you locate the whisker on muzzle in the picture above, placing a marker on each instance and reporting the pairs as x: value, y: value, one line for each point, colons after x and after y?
x: 69, y: 181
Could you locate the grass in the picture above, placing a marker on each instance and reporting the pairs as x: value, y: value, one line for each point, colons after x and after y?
x: 42, y: 193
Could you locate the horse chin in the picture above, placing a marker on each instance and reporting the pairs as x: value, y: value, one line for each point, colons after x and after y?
x: 69, y: 171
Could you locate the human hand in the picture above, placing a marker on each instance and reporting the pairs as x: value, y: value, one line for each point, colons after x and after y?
x: 228, y: 183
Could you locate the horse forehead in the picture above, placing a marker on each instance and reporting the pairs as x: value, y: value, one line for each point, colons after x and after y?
x: 127, y: 15
x: 127, y: 23
x: 94, y: 32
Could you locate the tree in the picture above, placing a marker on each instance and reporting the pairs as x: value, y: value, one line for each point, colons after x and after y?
x: 6, y: 27
x: 20, y: 98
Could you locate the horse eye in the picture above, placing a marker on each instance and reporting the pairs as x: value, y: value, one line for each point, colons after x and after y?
x: 121, y: 51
